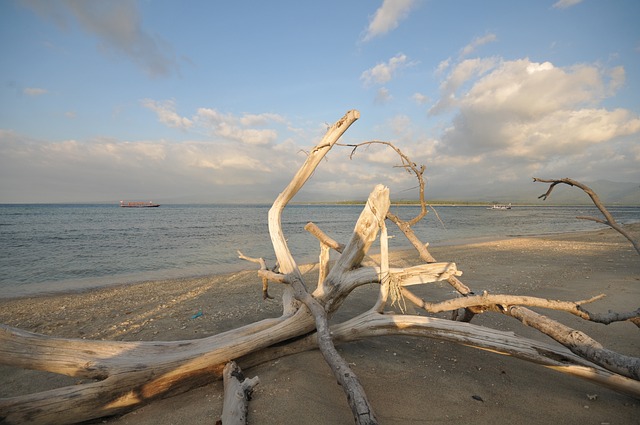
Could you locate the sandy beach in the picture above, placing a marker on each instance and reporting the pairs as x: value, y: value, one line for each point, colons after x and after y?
x: 408, y: 380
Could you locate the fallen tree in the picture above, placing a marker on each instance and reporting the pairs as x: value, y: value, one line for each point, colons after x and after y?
x: 129, y: 374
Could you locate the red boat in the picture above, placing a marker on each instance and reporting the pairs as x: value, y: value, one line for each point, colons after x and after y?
x: 149, y: 204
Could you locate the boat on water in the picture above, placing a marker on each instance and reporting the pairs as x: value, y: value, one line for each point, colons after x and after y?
x: 500, y: 207
x: 149, y: 204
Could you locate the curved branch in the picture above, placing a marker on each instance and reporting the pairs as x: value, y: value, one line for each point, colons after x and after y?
x: 609, y: 220
x: 371, y: 324
x: 285, y: 259
x: 501, y: 303
x: 263, y: 266
x: 579, y: 343
x: 558, y: 358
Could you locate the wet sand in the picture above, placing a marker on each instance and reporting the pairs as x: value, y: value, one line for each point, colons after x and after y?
x: 408, y: 380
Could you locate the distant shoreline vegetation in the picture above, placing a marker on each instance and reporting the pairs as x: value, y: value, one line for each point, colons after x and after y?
x: 414, y: 202
x: 467, y: 203
x: 402, y: 202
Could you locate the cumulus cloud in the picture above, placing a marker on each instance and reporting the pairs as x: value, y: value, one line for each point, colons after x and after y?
x: 524, y: 117
x: 118, y: 28
x: 564, y: 4
x: 567, y: 131
x: 383, y: 72
x: 388, y: 17
x: 35, y: 91
x: 461, y: 74
x: 525, y: 88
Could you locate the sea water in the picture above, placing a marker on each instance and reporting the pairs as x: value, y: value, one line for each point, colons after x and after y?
x: 45, y: 248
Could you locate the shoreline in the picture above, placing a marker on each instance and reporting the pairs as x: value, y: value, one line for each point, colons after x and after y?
x: 408, y: 380
x: 82, y: 285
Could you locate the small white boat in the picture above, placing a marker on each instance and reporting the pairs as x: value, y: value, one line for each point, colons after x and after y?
x: 500, y: 207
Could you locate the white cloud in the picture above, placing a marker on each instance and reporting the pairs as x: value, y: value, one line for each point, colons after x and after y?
x: 526, y: 88
x: 260, y: 119
x: 461, y: 74
x: 233, y: 128
x: 104, y: 168
x: 443, y: 66
x: 567, y: 131
x: 617, y: 76
x: 388, y: 17
x: 212, y: 122
x: 564, y: 4
x: 118, y: 27
x: 35, y: 91
x: 477, y: 42
x: 522, y: 117
x: 383, y: 72
x: 250, y: 136
x: 383, y: 95
x: 420, y: 99
x: 166, y: 111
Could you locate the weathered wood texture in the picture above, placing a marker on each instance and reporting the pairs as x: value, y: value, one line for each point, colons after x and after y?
x: 237, y: 394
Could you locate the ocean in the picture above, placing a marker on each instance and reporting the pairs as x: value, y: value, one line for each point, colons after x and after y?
x: 47, y: 248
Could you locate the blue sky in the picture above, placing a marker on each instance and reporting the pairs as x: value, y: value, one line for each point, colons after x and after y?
x: 212, y: 101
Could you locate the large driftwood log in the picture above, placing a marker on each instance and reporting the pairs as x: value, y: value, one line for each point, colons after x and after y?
x: 129, y: 374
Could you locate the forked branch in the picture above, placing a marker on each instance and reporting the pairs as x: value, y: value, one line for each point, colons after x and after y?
x: 405, y: 225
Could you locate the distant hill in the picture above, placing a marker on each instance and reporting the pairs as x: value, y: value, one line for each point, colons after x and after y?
x: 611, y: 193
x: 614, y: 193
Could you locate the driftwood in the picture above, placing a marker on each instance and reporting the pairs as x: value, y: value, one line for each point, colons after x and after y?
x: 237, y: 394
x: 129, y: 374
x: 608, y: 218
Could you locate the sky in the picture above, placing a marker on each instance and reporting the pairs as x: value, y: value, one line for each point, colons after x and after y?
x: 219, y: 101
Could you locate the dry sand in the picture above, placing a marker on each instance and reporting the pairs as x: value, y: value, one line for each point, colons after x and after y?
x: 408, y: 380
